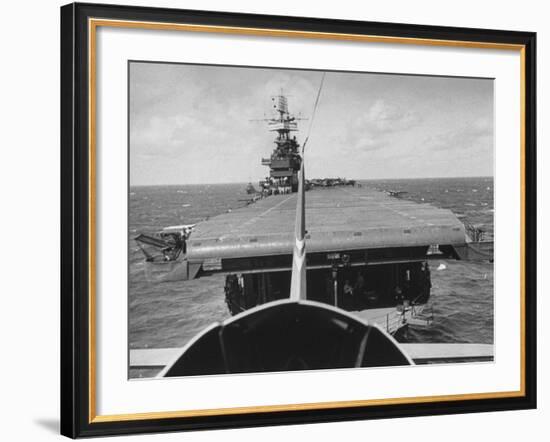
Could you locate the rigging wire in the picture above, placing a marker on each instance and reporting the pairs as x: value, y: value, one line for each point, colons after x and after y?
x: 313, y: 113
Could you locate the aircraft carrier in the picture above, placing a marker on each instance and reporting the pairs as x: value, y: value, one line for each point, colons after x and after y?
x: 368, y: 252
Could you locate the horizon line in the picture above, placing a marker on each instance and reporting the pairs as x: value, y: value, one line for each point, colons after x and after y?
x: 329, y: 177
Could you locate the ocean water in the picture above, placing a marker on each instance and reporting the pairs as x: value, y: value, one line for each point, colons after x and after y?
x: 462, y: 292
x: 169, y: 314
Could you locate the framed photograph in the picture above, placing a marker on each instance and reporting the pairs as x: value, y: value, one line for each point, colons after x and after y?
x: 275, y: 220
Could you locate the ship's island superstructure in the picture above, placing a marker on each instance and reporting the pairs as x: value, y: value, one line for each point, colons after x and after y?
x: 285, y: 161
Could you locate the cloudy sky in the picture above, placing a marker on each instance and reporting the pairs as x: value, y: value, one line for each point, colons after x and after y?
x: 191, y: 124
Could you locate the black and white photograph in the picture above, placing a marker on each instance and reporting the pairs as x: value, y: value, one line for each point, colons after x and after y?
x: 284, y: 219
x: 275, y: 221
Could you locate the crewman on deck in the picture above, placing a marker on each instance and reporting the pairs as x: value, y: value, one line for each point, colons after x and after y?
x: 348, y: 294
x: 398, y: 294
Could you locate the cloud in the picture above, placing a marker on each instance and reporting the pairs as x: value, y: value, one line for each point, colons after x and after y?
x: 477, y: 134
x: 192, y: 123
x: 376, y: 127
x: 161, y: 136
x: 383, y: 116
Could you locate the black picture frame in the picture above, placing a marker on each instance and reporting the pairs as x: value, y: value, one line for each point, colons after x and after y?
x: 76, y: 401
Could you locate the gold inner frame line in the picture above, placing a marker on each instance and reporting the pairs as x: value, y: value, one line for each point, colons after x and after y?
x: 93, y: 24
